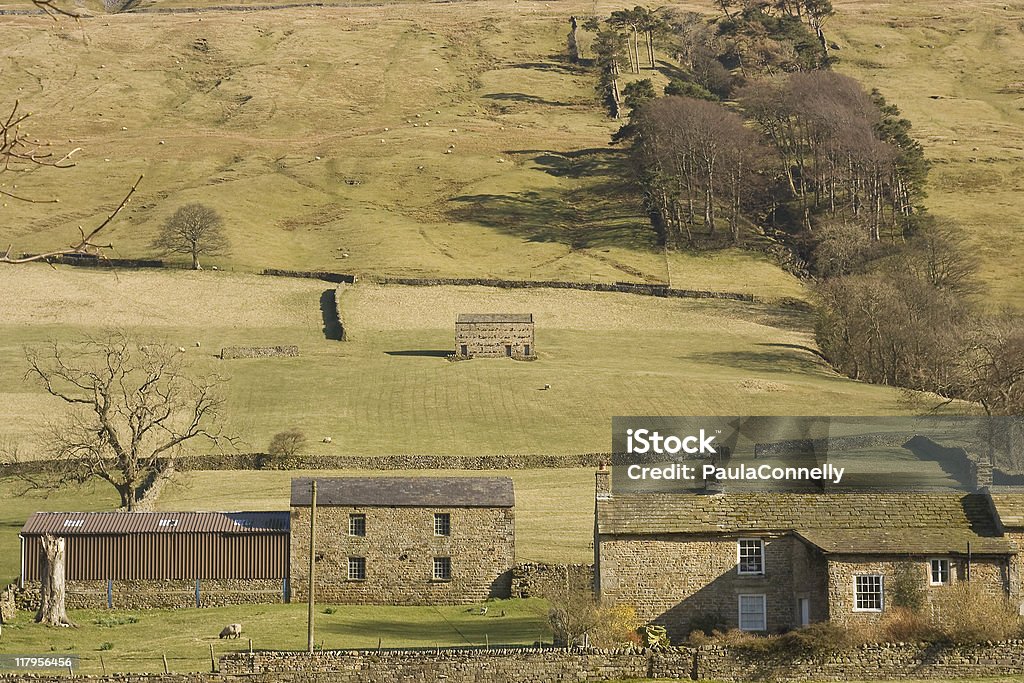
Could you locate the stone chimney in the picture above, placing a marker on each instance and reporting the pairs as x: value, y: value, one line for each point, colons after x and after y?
x: 603, y: 482
x: 981, y: 468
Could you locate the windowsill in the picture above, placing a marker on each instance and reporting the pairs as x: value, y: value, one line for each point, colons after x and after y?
x: 355, y: 580
x: 869, y: 610
x: 751, y: 575
x: 440, y: 581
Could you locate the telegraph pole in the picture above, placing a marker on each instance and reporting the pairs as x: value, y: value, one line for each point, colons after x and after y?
x: 312, y: 563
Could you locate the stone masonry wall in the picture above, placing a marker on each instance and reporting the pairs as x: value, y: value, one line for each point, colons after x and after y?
x: 676, y: 584
x: 399, y: 548
x: 539, y: 580
x: 232, y: 352
x: 489, y: 339
x: 171, y: 594
x: 992, y: 573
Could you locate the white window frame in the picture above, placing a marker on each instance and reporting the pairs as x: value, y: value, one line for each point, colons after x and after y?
x: 739, y: 556
x: 352, y: 517
x: 881, y: 593
x: 447, y: 525
x: 931, y: 571
x: 360, y: 561
x: 764, y: 611
x: 445, y: 561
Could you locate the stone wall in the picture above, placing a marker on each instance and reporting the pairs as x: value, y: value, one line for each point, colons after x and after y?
x: 685, y: 584
x: 169, y: 594
x: 992, y: 573
x: 7, y: 607
x: 493, y: 339
x: 231, y: 352
x: 337, y: 278
x: 539, y: 580
x: 399, y: 548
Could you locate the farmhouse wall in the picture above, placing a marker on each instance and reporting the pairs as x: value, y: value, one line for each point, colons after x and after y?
x: 171, y: 594
x: 680, y: 584
x: 991, y: 573
x: 399, y: 548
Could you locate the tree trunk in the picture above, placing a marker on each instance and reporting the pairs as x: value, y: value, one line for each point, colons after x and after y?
x: 52, y: 592
x: 573, y: 39
x: 195, y: 257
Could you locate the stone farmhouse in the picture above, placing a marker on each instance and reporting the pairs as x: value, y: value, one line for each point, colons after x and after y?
x: 494, y: 335
x: 405, y: 540
x: 773, y: 561
x: 132, y: 560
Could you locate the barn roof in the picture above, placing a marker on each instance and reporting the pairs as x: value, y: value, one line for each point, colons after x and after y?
x: 880, y: 523
x: 1008, y: 503
x: 406, y: 491
x: 494, y: 318
x: 114, y: 523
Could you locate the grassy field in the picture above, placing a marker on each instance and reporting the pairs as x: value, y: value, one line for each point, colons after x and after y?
x: 954, y: 70
x: 135, y: 641
x: 554, y: 508
x: 390, y: 390
x: 321, y: 135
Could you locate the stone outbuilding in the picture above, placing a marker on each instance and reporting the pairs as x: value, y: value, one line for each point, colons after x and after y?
x: 768, y: 562
x: 495, y: 335
x: 405, y: 540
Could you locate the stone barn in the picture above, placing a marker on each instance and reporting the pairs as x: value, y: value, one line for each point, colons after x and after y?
x: 405, y: 540
x: 493, y: 335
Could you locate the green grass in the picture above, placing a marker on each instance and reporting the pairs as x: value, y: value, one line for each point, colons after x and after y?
x: 554, y: 507
x: 953, y: 70
x: 389, y: 390
x: 185, y: 636
x: 321, y: 132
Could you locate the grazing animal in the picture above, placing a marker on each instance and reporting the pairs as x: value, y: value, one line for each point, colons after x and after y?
x: 231, y: 631
x: 328, y: 439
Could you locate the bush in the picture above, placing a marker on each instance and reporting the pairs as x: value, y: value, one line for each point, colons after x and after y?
x: 967, y: 613
x: 616, y: 626
x: 112, y: 620
x: 904, y: 625
x: 106, y: 646
x: 286, y: 445
x: 907, y: 590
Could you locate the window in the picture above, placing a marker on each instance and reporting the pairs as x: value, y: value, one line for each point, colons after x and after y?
x: 753, y: 613
x: 939, y: 572
x: 356, y: 568
x: 442, y: 524
x: 867, y: 593
x: 357, y: 525
x: 442, y: 569
x: 168, y: 523
x: 751, y: 556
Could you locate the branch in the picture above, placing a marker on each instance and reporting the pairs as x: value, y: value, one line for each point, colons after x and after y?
x: 86, y: 245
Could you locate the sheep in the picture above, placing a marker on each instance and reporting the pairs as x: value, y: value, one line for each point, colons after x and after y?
x: 181, y: 349
x: 328, y: 439
x: 231, y: 631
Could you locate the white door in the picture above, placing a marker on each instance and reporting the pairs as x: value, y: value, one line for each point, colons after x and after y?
x: 805, y: 611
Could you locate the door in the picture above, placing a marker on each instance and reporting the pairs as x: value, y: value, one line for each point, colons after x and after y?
x: 463, y: 350
x: 526, y: 350
x: 508, y: 350
x: 805, y: 611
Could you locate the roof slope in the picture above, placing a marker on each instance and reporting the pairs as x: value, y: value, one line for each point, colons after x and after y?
x: 882, y: 523
x: 494, y: 318
x: 1009, y: 505
x: 406, y: 491
x: 114, y: 523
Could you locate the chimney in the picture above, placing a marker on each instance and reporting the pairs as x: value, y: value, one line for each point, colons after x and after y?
x: 603, y: 482
x: 982, y: 470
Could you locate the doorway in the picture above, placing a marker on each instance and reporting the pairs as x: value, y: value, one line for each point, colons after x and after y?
x: 805, y: 611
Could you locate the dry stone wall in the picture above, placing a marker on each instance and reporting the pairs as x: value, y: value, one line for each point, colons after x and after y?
x: 541, y: 580
x: 169, y: 594
x: 232, y: 352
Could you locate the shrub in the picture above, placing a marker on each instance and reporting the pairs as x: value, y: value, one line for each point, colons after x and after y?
x: 967, y: 613
x: 616, y: 626
x: 907, y: 589
x: 106, y: 646
x: 112, y: 620
x: 286, y: 445
x: 705, y: 624
x: 904, y: 625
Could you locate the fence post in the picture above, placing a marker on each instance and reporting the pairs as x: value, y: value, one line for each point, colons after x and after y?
x: 213, y: 661
x: 166, y: 671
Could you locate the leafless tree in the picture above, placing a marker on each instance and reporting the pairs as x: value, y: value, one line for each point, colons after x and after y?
x: 20, y: 154
x: 132, y: 406
x: 194, y: 229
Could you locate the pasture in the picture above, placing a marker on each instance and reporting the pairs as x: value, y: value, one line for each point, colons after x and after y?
x: 391, y: 390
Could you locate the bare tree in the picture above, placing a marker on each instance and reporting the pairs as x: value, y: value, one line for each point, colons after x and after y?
x: 53, y: 588
x: 132, y: 407
x: 194, y: 229
x: 20, y: 154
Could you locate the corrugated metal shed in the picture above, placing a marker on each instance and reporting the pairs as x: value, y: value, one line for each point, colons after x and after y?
x: 494, y: 318
x: 407, y: 491
x: 162, y: 545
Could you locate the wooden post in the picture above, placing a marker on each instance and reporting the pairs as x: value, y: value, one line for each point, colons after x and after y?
x: 213, y: 661
x: 250, y: 646
x: 165, y: 664
x: 103, y: 666
x: 312, y: 564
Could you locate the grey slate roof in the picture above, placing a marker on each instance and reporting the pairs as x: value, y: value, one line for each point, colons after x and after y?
x: 1009, y: 505
x: 406, y: 491
x: 494, y: 318
x: 118, y: 523
x: 881, y: 523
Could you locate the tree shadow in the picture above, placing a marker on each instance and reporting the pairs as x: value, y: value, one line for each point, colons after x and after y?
x: 604, y: 212
x: 329, y: 313
x: 421, y: 353
x: 795, y: 347
x: 788, y: 361
x: 558, y: 63
x: 953, y: 461
x: 523, y: 97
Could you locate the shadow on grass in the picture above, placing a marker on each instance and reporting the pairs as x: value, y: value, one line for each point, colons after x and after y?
x: 795, y: 347
x: 329, y: 313
x: 558, y: 63
x: 523, y: 97
x: 758, y: 361
x: 953, y: 461
x: 509, y: 630
x: 603, y: 212
x: 422, y: 353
